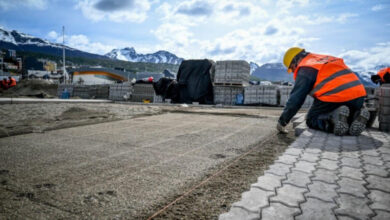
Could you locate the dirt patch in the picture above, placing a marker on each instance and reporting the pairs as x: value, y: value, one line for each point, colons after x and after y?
x: 31, y: 88
x: 216, y: 196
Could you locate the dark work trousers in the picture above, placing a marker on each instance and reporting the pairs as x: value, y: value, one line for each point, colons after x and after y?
x: 319, y: 113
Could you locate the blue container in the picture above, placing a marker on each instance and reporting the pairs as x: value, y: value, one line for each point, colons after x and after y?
x: 239, y: 99
x: 65, y: 94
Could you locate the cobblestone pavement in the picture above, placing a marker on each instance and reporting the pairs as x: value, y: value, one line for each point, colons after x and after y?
x: 322, y: 176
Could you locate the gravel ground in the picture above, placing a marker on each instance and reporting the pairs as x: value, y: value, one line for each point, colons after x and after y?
x: 38, y: 117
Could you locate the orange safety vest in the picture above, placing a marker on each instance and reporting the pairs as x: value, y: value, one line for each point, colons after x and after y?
x: 335, y: 81
x: 382, y: 72
x: 13, y: 82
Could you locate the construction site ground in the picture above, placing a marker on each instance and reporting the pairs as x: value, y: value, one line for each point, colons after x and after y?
x: 106, y: 160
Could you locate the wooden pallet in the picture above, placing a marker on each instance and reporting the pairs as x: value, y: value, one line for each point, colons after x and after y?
x: 228, y: 84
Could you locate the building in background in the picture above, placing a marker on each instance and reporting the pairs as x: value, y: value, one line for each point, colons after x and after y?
x: 100, y: 75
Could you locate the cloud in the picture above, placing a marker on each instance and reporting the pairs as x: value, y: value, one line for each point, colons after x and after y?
x: 378, y: 7
x: 37, y: 4
x: 194, y: 8
x: 368, y: 59
x: 52, y: 35
x: 270, y: 30
x: 81, y: 42
x: 113, y: 5
x: 115, y: 10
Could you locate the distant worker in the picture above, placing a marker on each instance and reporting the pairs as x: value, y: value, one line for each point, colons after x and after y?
x: 11, y: 82
x: 383, y: 76
x: 4, y: 84
x: 338, y: 93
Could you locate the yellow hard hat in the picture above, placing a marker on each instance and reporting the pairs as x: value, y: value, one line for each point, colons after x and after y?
x: 289, y: 56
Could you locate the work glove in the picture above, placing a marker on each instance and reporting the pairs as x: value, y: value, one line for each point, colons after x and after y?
x: 282, y: 129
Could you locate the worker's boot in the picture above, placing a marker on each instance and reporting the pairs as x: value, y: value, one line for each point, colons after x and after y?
x: 359, y: 123
x: 339, y: 119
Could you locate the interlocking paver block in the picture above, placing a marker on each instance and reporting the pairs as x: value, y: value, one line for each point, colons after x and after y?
x: 279, y: 169
x: 372, y: 160
x: 316, y: 209
x: 325, y: 175
x: 287, y: 159
x: 375, y: 170
x: 289, y: 195
x: 350, y: 154
x: 320, y: 190
x: 293, y: 151
x: 268, y: 182
x: 381, y: 215
x: 349, y: 147
x: 351, y: 186
x: 377, y: 182
x: 309, y: 157
x: 353, y: 206
x: 370, y: 152
x: 328, y: 164
x: 298, y: 178
x: 304, y: 166
x: 239, y: 213
x: 384, y: 150
x: 253, y: 200
x: 330, y: 155
x: 349, y: 140
x: 351, y: 162
x: 381, y: 200
x: 278, y: 211
x: 354, y: 173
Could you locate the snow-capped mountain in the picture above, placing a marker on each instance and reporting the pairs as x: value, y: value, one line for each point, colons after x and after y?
x: 23, y: 42
x: 253, y: 66
x: 129, y: 54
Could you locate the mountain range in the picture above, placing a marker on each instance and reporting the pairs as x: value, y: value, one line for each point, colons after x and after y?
x: 24, y: 42
x: 129, y: 54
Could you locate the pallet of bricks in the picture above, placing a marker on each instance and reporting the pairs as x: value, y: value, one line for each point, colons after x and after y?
x: 120, y: 91
x: 231, y: 76
x: 142, y: 92
x: 91, y: 91
x: 261, y: 94
x: 285, y: 91
x: 384, y: 107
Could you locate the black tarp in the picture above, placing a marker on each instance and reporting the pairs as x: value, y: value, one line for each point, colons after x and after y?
x: 194, y: 81
x: 167, y: 89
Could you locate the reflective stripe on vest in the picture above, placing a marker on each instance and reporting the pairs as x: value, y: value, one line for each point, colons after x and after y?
x: 335, y: 82
x: 337, y: 74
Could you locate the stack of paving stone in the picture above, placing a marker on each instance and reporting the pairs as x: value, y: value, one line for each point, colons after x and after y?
x: 157, y: 99
x: 261, y: 94
x: 285, y: 95
x: 384, y: 107
x: 232, y: 72
x: 120, y: 91
x: 226, y: 95
x: 91, y: 91
x: 231, y: 76
x: 142, y: 92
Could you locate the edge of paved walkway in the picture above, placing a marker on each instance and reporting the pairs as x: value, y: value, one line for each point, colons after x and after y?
x: 322, y: 176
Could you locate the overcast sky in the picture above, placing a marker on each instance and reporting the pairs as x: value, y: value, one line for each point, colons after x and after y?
x: 258, y: 30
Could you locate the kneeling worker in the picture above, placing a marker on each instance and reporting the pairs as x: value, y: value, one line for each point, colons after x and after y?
x: 383, y: 76
x: 338, y: 93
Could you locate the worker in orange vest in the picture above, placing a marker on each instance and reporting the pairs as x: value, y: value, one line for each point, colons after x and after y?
x: 4, y: 84
x: 383, y: 76
x: 337, y: 91
x: 11, y: 82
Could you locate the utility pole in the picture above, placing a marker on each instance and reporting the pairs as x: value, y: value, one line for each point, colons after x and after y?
x: 65, y: 74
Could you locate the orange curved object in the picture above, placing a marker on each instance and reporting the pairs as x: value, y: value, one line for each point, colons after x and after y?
x: 102, y: 73
x: 335, y: 81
